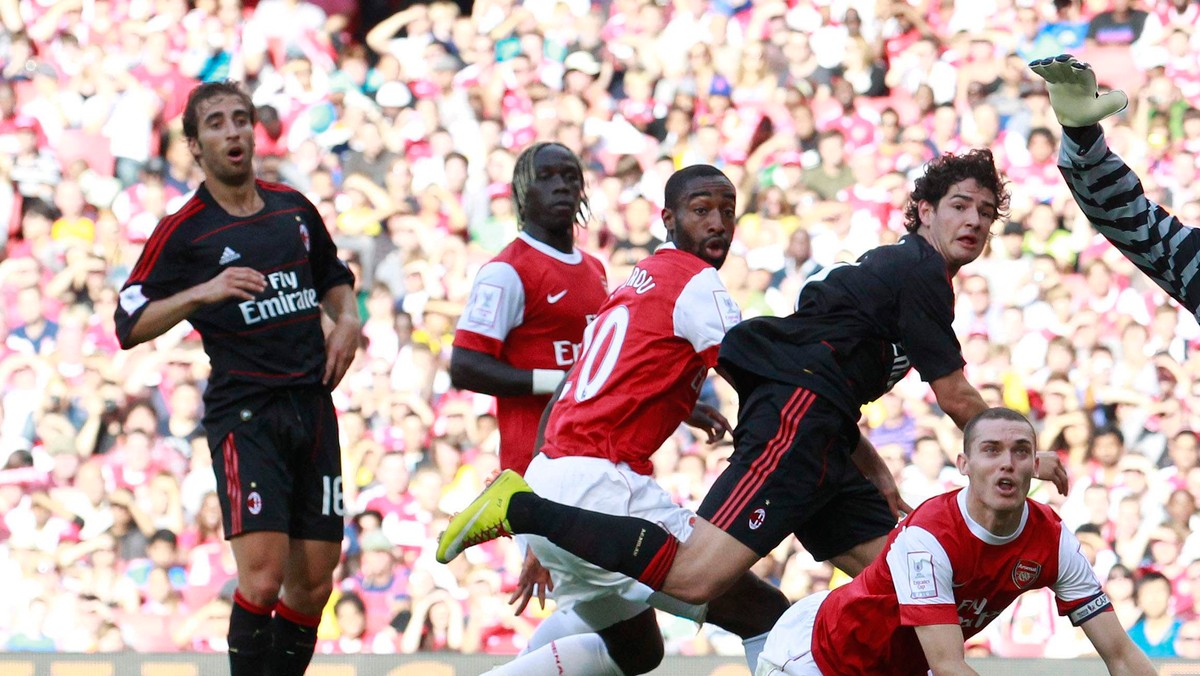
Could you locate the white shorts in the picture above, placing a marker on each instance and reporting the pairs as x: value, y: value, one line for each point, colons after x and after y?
x: 789, y: 645
x: 601, y: 486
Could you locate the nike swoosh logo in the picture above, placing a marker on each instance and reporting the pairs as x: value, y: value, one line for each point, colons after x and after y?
x: 553, y: 298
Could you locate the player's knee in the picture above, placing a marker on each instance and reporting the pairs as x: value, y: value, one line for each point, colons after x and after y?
x: 260, y: 588
x: 637, y: 657
x: 701, y: 589
x: 318, y: 592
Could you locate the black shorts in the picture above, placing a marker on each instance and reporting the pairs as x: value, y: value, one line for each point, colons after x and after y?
x: 279, y: 468
x: 791, y: 472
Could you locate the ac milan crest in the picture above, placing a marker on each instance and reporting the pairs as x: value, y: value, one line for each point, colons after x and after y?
x: 254, y: 502
x: 758, y: 518
x: 1025, y: 573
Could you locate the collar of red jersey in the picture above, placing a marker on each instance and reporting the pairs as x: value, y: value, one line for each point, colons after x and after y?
x: 984, y: 534
x: 573, y: 258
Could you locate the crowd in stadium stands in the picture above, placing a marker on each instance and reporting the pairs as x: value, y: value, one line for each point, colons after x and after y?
x: 401, y: 123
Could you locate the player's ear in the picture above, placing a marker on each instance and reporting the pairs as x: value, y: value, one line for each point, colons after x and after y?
x: 961, y: 462
x: 925, y: 210
x: 668, y: 218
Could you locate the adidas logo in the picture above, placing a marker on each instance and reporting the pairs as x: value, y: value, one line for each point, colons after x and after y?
x: 228, y: 256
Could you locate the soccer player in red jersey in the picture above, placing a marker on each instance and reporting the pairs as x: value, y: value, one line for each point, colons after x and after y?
x: 524, y: 323
x: 949, y: 569
x: 644, y: 360
x: 252, y: 267
x: 529, y: 305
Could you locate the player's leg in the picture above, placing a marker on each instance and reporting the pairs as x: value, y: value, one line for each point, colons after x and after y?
x: 252, y: 485
x: 749, y: 609
x: 307, y: 583
x: 316, y: 530
x: 852, y: 528
x: 788, y: 648
x: 780, y: 426
x: 560, y: 624
x: 626, y: 641
x: 663, y: 528
x: 786, y: 443
x: 261, y: 558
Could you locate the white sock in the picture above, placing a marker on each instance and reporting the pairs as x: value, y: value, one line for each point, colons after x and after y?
x: 578, y: 655
x: 560, y: 624
x: 754, y: 647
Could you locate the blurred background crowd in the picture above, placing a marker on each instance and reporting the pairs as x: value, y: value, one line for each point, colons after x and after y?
x: 402, y: 123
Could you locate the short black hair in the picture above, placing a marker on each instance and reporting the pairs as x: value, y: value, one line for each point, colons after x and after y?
x: 995, y: 413
x: 677, y: 184
x: 164, y: 535
x: 1110, y: 430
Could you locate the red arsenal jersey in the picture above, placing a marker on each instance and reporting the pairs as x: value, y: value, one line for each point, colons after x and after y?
x: 644, y: 360
x: 529, y: 306
x: 940, y: 567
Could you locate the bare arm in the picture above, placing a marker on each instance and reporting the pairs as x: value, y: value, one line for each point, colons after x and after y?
x: 876, y: 470
x: 379, y: 36
x: 1120, y: 655
x: 957, y: 397
x: 160, y: 315
x: 943, y: 647
x: 341, y: 342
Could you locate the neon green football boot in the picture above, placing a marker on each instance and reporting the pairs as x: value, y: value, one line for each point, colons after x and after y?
x: 483, y: 520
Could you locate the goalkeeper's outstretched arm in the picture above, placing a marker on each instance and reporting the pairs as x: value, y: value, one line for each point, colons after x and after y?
x: 1108, y: 192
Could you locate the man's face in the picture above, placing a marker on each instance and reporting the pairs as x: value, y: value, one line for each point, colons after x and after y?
x: 703, y: 221
x: 224, y: 146
x: 553, y: 196
x: 957, y: 226
x: 1000, y: 464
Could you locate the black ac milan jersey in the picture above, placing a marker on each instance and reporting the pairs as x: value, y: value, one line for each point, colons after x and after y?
x: 255, y: 345
x: 858, y: 328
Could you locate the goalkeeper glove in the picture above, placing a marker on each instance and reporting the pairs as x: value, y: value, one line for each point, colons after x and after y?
x: 1073, y: 93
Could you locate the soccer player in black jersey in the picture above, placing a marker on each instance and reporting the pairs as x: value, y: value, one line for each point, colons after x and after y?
x: 1107, y: 190
x: 252, y: 267
x: 800, y: 465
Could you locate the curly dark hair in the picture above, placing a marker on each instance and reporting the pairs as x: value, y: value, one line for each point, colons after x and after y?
x: 945, y: 171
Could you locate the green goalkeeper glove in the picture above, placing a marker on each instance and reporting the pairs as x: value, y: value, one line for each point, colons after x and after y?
x: 1073, y: 93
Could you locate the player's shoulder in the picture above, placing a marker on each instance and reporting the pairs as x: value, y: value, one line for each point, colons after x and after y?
x: 182, y: 221
x: 912, y: 249
x: 1041, y: 514
x: 936, y: 512
x: 282, y: 192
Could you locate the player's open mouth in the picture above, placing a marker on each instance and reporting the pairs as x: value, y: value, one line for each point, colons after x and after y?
x: 1006, y: 486
x: 236, y: 154
x: 969, y: 241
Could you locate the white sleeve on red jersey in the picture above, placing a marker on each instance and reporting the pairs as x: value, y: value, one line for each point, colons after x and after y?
x: 1079, y: 593
x: 704, y: 311
x: 923, y: 578
x: 497, y: 302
